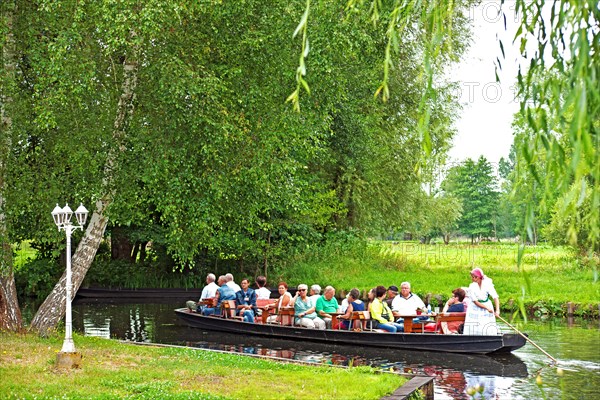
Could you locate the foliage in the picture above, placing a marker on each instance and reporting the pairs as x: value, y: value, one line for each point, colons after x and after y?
x: 577, y: 232
x: 438, y: 215
x: 474, y: 184
x: 37, y: 277
x: 213, y: 165
x: 116, y: 370
x: 560, y: 100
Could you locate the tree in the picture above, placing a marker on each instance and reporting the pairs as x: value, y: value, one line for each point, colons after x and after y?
x: 560, y: 101
x: 566, y: 48
x: 438, y: 216
x: 211, y: 153
x: 10, y: 314
x: 474, y: 185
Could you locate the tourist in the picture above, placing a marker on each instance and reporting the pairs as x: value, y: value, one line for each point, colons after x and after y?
x: 408, y: 303
x: 455, y: 304
x: 262, y: 293
x: 230, y: 282
x: 354, y: 304
x: 224, y: 292
x: 285, y: 298
x: 481, y: 316
x: 245, y: 301
x: 208, y: 292
x: 327, y: 304
x: 304, y: 310
x: 381, y: 315
x: 315, y: 293
x: 392, y: 292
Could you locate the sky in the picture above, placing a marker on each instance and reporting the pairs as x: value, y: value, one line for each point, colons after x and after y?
x: 484, y: 127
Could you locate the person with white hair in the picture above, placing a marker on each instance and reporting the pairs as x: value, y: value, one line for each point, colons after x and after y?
x: 234, y: 286
x: 327, y: 304
x: 224, y: 293
x: 315, y: 293
x: 304, y: 310
x: 209, y: 292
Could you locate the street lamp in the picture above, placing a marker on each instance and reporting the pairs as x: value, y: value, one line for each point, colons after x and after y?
x: 62, y: 219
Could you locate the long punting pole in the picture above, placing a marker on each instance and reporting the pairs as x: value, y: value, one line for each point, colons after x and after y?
x: 529, y: 340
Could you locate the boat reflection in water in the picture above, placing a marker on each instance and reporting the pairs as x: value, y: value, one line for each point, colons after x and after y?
x: 453, y: 373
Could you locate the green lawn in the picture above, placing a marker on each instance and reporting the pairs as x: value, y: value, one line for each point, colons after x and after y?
x: 547, y: 274
x: 113, y: 370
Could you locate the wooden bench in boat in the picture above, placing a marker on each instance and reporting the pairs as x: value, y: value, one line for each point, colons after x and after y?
x: 286, y: 316
x: 209, y: 302
x: 442, y: 319
x: 358, y: 320
x: 262, y: 304
x: 229, y: 311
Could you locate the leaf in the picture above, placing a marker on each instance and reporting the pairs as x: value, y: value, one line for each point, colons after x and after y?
x: 303, y: 21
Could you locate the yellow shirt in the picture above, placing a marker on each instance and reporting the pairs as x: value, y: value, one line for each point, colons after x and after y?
x: 377, y: 308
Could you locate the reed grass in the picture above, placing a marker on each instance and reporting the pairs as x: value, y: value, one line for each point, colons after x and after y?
x: 113, y: 370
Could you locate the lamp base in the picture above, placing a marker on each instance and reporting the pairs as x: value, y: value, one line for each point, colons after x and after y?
x: 68, y: 360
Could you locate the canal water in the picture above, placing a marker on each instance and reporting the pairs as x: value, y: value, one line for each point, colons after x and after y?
x: 575, y: 344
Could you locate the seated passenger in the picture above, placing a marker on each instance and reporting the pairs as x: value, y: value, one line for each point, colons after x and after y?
x: 224, y: 292
x: 370, y: 298
x: 381, y: 315
x: 354, y: 304
x: 305, y: 314
x: 315, y: 293
x: 392, y: 292
x: 327, y: 304
x: 407, y: 303
x: 285, y: 299
x: 262, y: 293
x: 231, y: 283
x: 246, y: 301
x: 455, y: 304
x: 344, y: 304
x: 208, y: 292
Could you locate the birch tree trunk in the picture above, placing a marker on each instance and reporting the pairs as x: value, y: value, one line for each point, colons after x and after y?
x: 53, y: 308
x: 10, y: 313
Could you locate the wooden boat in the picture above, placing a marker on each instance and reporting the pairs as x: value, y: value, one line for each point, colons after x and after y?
x: 502, y: 343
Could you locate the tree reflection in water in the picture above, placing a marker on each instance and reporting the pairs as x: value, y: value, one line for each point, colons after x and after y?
x: 502, y: 377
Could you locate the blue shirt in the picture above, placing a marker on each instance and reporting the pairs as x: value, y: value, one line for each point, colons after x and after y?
x: 246, y: 298
x: 225, y: 293
x: 301, y: 306
x: 458, y: 307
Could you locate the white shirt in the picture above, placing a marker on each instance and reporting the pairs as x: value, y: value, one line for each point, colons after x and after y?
x: 234, y: 286
x: 407, y: 306
x: 209, y: 291
x: 477, y: 293
x: 263, y: 293
x: 344, y: 305
x: 314, y: 298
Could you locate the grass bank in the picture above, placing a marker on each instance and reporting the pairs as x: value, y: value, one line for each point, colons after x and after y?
x: 549, y: 277
x: 116, y: 370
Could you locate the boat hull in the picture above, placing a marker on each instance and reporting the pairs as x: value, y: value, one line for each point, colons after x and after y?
x: 406, y: 341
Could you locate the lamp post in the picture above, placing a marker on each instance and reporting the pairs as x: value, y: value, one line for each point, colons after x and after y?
x: 62, y: 219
